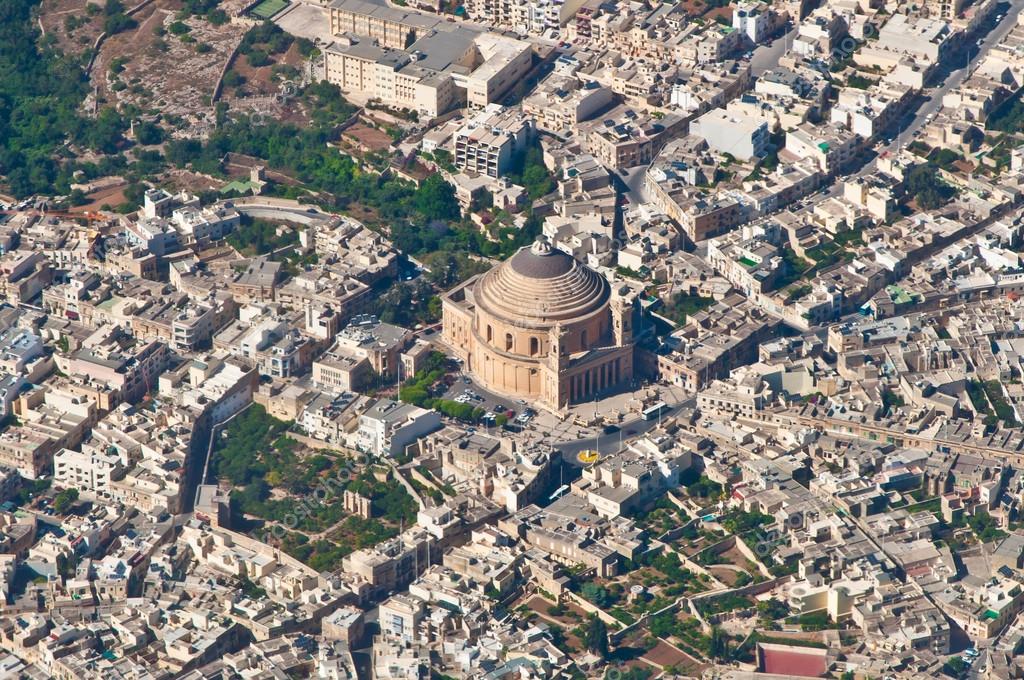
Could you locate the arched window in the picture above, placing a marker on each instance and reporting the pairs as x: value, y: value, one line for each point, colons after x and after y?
x: 508, y: 342
x: 534, y: 346
x: 583, y: 339
x: 490, y: 333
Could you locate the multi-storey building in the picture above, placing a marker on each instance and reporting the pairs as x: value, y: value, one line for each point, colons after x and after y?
x: 488, y: 143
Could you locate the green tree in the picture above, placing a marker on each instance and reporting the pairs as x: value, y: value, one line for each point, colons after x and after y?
x: 233, y: 78
x: 663, y: 625
x: 772, y: 609
x: 118, y: 23
x: 105, y: 133
x: 435, y: 200
x: 217, y: 17
x: 596, y: 636
x: 147, y: 133
x: 181, y: 152
x: 63, y: 501
x: 258, y: 58
x: 596, y: 594
x: 537, y: 181
x: 718, y: 647
x: 927, y: 188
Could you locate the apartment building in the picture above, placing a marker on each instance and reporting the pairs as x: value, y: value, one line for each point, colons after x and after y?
x: 755, y: 20
x: 630, y: 480
x: 132, y: 372
x: 869, y: 113
x: 181, y: 322
x: 90, y: 471
x: 536, y: 17
x: 625, y: 138
x: 24, y: 275
x: 387, y: 427
x: 700, y: 213
x: 270, y: 343
x: 391, y: 564
x: 488, y: 143
x: 258, y: 283
x: 559, y: 103
x: 381, y: 344
x: 324, y: 286
x: 19, y: 350
x: 199, y: 225
x: 832, y: 148
x: 400, y: 616
x: 740, y: 136
x: 27, y: 451
x: 388, y: 26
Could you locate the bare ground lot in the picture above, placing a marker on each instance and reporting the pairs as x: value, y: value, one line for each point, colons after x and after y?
x: 108, y: 196
x: 663, y: 655
x: 161, y: 72
x: 726, y: 573
x: 53, y: 17
x: 366, y: 137
x: 261, y: 81
x: 305, y: 21
x: 541, y: 605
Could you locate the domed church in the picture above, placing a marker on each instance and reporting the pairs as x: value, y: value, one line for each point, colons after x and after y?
x: 544, y: 327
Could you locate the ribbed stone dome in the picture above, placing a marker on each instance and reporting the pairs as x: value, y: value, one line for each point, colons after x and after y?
x: 540, y: 285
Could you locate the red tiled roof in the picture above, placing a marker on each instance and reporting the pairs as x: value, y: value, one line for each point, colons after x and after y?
x: 782, y: 660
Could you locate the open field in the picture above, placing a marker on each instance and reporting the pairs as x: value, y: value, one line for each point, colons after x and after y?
x: 68, y: 24
x: 188, y: 65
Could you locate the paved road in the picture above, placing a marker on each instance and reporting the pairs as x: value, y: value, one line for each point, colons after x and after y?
x: 766, y: 57
x: 633, y: 181
x: 971, y: 55
x: 610, y: 443
x: 975, y: 672
x: 278, y: 209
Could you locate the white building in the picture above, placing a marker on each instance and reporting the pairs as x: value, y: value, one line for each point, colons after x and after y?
x: 387, y: 427
x: 754, y: 20
x: 201, y: 224
x: 740, y: 136
x: 489, y: 141
x: 90, y: 471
